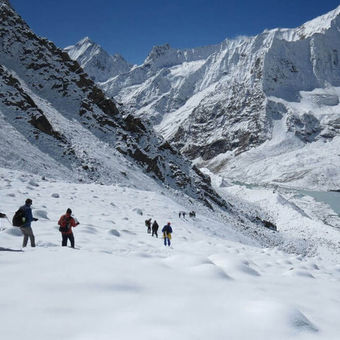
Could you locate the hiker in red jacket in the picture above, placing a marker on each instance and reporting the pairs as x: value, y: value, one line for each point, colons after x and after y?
x: 66, y: 223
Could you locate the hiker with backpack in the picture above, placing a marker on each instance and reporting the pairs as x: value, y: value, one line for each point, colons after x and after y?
x: 148, y: 225
x: 67, y: 222
x: 23, y: 219
x: 167, y: 231
x: 155, y: 227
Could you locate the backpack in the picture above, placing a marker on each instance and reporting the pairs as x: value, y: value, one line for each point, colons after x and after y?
x: 18, y: 218
x: 67, y: 225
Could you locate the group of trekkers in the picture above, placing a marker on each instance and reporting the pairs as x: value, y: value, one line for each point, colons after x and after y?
x: 183, y: 214
x: 24, y: 217
x: 166, y: 230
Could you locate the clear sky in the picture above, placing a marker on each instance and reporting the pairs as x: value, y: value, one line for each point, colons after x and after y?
x: 131, y: 28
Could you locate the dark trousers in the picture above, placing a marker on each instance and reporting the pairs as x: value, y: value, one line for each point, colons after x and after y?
x: 68, y: 237
x: 167, y: 239
x: 154, y: 232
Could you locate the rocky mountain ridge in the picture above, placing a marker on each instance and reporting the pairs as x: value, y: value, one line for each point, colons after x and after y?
x: 217, y: 102
x: 56, y: 122
x: 97, y: 62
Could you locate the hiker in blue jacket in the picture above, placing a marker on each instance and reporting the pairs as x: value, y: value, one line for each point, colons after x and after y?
x: 167, y: 230
x: 27, y: 220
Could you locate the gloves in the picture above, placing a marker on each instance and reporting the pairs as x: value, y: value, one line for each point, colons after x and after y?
x: 35, y: 219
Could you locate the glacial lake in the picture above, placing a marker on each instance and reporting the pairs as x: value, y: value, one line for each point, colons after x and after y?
x: 331, y: 198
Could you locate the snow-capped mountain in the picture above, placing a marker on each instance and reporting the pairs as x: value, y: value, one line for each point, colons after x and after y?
x: 97, y: 62
x: 250, y: 108
x: 63, y: 143
x: 56, y: 122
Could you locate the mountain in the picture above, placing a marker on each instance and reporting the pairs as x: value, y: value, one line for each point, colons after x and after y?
x: 63, y: 143
x: 96, y: 61
x: 261, y: 109
x: 56, y: 122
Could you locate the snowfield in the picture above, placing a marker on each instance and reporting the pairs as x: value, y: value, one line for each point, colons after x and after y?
x: 122, y: 283
x: 260, y: 115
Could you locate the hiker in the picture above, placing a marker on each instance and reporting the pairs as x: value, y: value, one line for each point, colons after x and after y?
x: 148, y: 225
x: 192, y: 214
x: 27, y: 219
x: 2, y: 216
x: 167, y: 230
x: 66, y: 223
x: 155, y: 227
x: 183, y: 213
x: 179, y: 214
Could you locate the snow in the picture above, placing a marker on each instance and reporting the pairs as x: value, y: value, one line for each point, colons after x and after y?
x: 285, y: 159
x: 207, y: 284
x: 97, y: 62
x: 218, y: 104
x: 225, y: 276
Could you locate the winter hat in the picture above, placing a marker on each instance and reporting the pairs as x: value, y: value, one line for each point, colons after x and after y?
x: 28, y: 201
x: 68, y: 211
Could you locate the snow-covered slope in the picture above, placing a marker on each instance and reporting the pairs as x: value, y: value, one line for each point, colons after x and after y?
x: 97, y: 62
x: 217, y: 102
x: 225, y: 276
x: 56, y: 122
x: 122, y: 283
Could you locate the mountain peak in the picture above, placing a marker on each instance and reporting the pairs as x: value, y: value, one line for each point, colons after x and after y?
x: 317, y: 25
x: 157, y: 52
x: 85, y: 40
x: 5, y: 2
x: 96, y: 61
x: 321, y: 23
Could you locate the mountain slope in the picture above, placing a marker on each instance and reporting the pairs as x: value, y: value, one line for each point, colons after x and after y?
x: 57, y: 113
x: 96, y: 62
x: 217, y: 102
x: 224, y: 283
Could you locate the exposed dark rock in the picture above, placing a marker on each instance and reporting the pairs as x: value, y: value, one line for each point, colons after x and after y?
x: 267, y: 224
x: 306, y: 127
x: 47, y: 73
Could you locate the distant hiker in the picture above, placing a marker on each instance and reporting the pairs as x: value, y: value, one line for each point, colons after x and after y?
x: 2, y: 216
x: 155, y: 227
x: 66, y: 223
x: 192, y: 214
x: 167, y: 230
x: 183, y: 213
x: 179, y: 214
x: 148, y: 225
x: 27, y: 219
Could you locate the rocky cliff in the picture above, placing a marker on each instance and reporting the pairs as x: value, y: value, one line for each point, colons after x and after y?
x: 56, y: 121
x: 218, y: 102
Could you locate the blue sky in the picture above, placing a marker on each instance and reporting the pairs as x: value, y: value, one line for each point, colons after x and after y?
x: 132, y: 28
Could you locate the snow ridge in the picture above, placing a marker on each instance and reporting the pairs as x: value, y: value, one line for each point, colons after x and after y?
x: 52, y: 106
x: 97, y: 62
x: 217, y: 102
